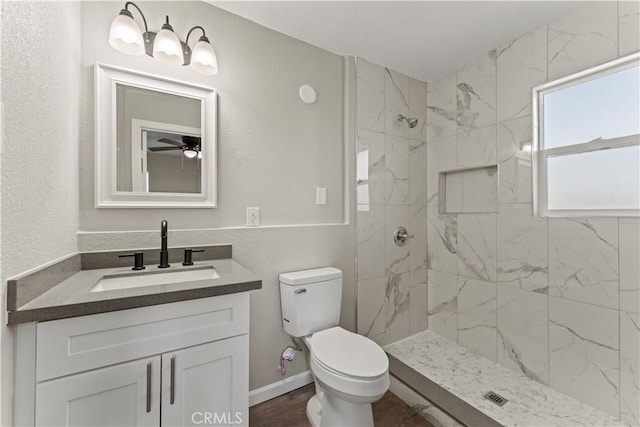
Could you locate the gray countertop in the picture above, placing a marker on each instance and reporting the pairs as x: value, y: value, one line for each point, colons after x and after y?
x: 72, y: 297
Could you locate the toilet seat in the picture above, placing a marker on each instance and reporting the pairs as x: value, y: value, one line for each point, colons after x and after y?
x: 350, y: 365
x: 347, y: 354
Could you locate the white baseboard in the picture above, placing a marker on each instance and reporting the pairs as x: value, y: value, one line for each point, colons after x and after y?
x: 279, y: 388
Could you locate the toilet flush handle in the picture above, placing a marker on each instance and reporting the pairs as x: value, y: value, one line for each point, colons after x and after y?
x: 300, y: 291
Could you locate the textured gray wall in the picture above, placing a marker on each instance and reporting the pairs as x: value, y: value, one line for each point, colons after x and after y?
x: 273, y: 150
x: 41, y: 97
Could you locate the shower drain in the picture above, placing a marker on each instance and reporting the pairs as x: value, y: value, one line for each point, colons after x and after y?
x: 495, y: 398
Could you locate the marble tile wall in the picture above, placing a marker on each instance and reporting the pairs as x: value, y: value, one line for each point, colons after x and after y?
x: 392, y: 191
x: 472, y: 190
x: 555, y: 298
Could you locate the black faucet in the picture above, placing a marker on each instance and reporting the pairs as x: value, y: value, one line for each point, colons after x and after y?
x: 139, y: 260
x: 164, y: 253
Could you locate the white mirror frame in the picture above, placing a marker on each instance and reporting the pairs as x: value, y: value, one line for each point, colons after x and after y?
x: 106, y: 193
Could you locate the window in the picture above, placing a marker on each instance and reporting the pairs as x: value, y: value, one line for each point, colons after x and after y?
x: 587, y: 142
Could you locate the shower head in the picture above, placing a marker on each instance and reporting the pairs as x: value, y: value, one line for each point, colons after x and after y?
x: 411, y: 121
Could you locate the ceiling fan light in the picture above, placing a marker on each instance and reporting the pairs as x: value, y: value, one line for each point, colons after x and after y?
x: 190, y: 154
x: 125, y: 35
x: 166, y: 46
x: 203, y: 58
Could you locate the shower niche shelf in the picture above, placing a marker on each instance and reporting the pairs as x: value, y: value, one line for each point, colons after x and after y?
x: 468, y: 190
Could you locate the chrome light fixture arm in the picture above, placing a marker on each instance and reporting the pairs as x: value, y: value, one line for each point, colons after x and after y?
x: 186, y: 49
x: 148, y: 37
x: 203, y: 37
x: 202, y: 57
x: 126, y: 12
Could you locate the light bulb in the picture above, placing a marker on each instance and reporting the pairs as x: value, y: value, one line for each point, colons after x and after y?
x: 166, y: 46
x: 190, y: 154
x: 203, y: 58
x: 125, y: 35
x: 199, y: 154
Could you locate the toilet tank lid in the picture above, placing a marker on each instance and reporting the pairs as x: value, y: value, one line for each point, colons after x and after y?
x: 310, y: 276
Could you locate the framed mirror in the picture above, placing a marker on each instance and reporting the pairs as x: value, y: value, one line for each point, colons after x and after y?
x: 155, y: 141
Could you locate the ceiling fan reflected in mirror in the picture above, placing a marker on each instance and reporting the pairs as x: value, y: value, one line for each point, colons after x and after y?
x: 190, y: 146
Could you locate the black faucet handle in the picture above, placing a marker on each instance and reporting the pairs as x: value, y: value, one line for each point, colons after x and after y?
x: 138, y: 260
x: 164, y: 252
x: 188, y: 258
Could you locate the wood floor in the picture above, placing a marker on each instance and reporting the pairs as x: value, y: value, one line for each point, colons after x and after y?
x: 289, y: 410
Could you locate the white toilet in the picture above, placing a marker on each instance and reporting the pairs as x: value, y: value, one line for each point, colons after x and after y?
x: 350, y: 370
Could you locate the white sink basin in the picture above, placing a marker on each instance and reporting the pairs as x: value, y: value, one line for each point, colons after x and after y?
x: 139, y: 280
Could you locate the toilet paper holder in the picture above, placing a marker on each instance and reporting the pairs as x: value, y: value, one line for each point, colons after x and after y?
x: 288, y: 354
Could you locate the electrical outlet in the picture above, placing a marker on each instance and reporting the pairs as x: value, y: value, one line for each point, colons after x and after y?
x: 253, y: 217
x: 321, y: 196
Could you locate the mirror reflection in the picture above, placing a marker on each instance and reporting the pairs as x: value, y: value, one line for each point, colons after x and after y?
x: 159, y: 144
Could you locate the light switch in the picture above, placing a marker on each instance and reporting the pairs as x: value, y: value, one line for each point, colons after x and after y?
x: 321, y: 196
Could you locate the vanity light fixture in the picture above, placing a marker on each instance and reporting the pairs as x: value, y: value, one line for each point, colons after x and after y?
x: 203, y: 57
x: 166, y: 46
x: 125, y: 36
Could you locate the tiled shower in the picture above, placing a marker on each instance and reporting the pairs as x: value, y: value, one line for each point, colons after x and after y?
x: 554, y: 298
x: 391, y: 192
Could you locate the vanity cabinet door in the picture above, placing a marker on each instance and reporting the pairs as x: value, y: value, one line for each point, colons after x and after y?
x: 121, y: 395
x: 207, y: 384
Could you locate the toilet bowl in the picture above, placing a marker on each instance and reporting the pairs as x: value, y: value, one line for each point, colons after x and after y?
x: 350, y: 370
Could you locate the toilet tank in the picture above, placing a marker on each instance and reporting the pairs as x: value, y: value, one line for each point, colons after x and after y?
x: 310, y: 300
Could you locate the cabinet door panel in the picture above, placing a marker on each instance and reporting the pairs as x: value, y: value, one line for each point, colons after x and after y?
x: 210, y: 384
x: 77, y: 344
x: 112, y: 396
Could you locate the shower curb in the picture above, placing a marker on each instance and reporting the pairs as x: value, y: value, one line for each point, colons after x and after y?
x: 451, y: 404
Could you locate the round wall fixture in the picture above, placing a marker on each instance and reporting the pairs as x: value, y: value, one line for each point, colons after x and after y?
x: 307, y: 94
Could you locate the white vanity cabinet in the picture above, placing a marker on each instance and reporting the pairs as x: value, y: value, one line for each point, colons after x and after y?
x: 209, y: 380
x: 173, y: 364
x: 113, y: 396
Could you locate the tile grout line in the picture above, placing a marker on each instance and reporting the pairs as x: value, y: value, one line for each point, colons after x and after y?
x: 384, y: 199
x: 618, y: 26
x: 355, y: 195
x: 426, y: 201
x: 619, y: 330
x: 497, y: 198
x: 455, y: 97
x: 618, y: 253
x: 548, y: 237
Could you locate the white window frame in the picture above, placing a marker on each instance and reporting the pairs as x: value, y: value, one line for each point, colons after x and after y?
x: 540, y: 155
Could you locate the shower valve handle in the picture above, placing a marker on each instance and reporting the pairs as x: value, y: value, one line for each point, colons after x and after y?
x: 401, y: 236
